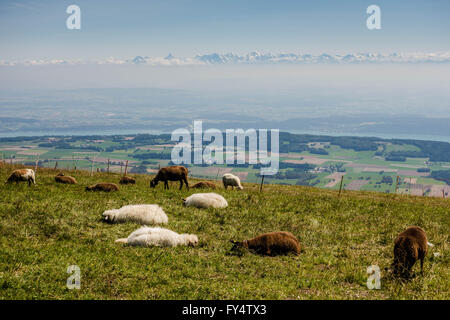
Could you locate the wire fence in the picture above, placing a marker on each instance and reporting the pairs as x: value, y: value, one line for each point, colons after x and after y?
x: 403, y: 185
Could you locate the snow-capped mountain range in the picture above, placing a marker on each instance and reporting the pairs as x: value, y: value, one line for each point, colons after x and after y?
x: 252, y: 58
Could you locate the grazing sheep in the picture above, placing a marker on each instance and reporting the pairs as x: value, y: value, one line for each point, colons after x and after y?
x: 229, y: 179
x: 204, y: 185
x: 103, y: 186
x: 140, y: 213
x: 160, y: 237
x: 409, y: 246
x: 127, y: 180
x: 205, y: 200
x: 172, y: 173
x: 272, y: 243
x: 22, y: 175
x: 61, y: 178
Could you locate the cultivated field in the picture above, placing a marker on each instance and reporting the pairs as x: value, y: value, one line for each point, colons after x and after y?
x: 46, y: 228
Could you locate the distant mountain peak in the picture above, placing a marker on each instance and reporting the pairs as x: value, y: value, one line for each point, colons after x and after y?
x: 254, y: 57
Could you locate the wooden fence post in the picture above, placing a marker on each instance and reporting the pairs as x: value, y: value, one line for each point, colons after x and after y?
x: 121, y: 164
x: 396, y: 185
x: 108, y: 166
x: 74, y: 165
x: 443, y: 193
x: 36, y: 164
x: 218, y: 171
x: 92, y: 167
x: 262, y: 182
x: 56, y: 165
x: 340, y: 187
x: 126, y: 168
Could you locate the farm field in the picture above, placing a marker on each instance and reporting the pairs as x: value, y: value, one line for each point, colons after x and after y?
x: 48, y: 227
x: 319, y: 164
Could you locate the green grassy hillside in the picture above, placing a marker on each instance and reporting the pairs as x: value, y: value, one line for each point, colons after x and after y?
x: 46, y: 228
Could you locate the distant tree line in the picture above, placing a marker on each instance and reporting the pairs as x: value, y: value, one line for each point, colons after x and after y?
x: 441, y: 175
x: 395, y: 158
x: 436, y: 151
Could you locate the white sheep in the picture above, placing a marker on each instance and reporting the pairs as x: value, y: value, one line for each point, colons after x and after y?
x: 206, y: 200
x: 147, y: 237
x: 229, y: 179
x: 140, y: 213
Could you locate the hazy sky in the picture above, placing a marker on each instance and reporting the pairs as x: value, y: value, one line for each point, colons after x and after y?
x: 125, y: 29
x: 37, y: 29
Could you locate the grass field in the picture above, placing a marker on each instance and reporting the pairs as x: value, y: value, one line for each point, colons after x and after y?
x: 46, y: 228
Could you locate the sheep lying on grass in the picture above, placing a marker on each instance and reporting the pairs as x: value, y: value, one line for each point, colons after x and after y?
x: 127, y: 180
x: 103, y: 186
x: 229, y: 179
x: 22, y: 175
x: 272, y: 243
x: 409, y: 246
x: 205, y: 200
x: 61, y: 178
x: 147, y: 237
x: 141, y: 213
x: 204, y: 185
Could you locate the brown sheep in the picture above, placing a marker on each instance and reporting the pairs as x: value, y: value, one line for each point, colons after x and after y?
x: 61, y: 178
x: 127, y: 180
x: 172, y: 173
x: 22, y: 175
x: 272, y: 243
x: 204, y: 185
x: 103, y: 186
x: 409, y: 246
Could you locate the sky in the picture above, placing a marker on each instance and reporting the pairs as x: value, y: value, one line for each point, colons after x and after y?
x: 37, y: 29
x: 34, y: 34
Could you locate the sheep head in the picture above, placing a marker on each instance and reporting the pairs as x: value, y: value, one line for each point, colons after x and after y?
x: 190, y: 239
x: 153, y: 183
x: 109, y: 215
x: 237, y: 245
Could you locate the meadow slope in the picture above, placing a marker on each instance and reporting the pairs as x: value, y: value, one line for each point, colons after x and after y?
x: 46, y: 228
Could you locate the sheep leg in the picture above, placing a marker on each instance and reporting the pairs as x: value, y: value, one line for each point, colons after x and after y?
x: 421, y: 266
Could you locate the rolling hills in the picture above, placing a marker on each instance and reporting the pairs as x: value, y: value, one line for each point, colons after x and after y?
x: 46, y: 228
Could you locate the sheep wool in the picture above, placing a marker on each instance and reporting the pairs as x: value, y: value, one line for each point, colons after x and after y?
x: 206, y: 200
x: 141, y: 213
x: 22, y: 175
x: 147, y: 237
x: 409, y: 246
x: 231, y: 180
